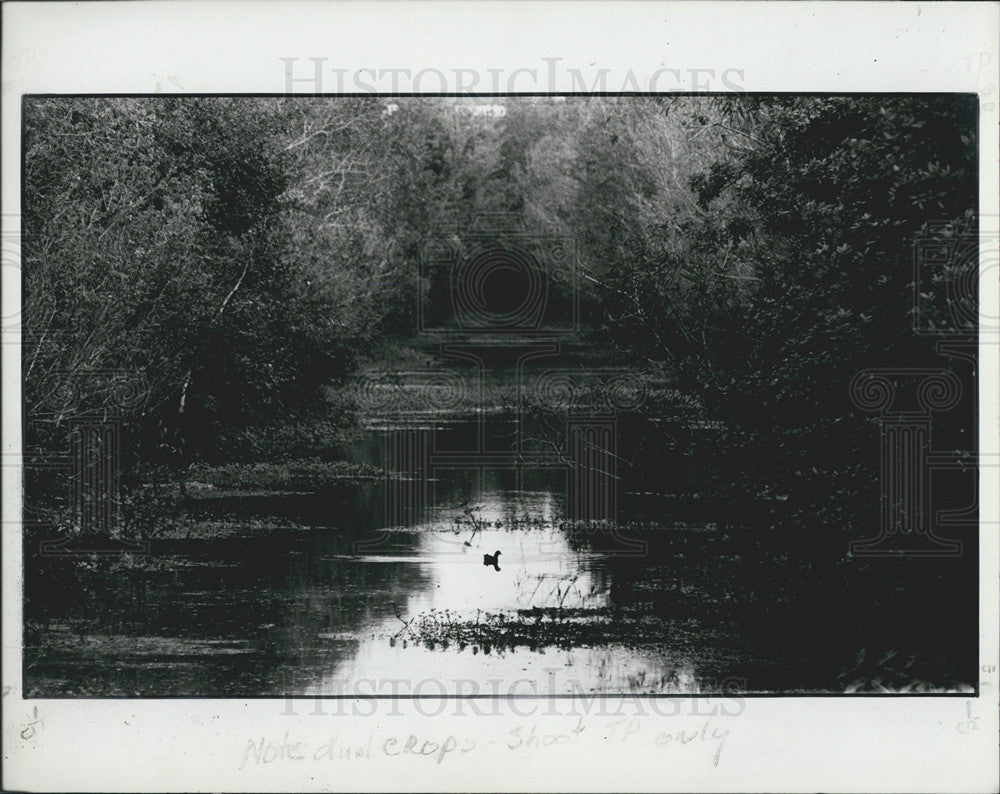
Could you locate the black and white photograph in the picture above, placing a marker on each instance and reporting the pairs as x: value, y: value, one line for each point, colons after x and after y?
x: 496, y: 393
x: 617, y: 394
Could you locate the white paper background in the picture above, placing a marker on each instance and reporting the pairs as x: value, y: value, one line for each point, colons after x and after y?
x: 787, y: 744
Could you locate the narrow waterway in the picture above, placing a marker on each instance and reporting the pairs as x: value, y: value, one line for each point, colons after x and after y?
x: 320, y: 593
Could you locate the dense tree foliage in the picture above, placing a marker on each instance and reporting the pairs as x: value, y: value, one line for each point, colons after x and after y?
x: 795, y: 270
x: 230, y: 254
x: 240, y: 253
x: 826, y: 209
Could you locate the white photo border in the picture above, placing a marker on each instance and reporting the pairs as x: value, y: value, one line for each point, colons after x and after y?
x: 894, y: 743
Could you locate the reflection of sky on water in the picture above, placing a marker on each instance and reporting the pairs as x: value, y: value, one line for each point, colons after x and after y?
x: 538, y: 569
x: 547, y: 671
x: 302, y: 612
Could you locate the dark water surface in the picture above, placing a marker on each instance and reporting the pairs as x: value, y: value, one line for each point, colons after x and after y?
x: 322, y: 609
x: 324, y: 599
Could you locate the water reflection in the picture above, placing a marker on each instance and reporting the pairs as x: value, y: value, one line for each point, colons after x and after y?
x: 279, y: 593
x: 537, y: 566
x: 440, y: 580
x: 303, y: 612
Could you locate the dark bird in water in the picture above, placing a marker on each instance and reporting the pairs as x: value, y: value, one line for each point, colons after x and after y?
x: 492, y: 559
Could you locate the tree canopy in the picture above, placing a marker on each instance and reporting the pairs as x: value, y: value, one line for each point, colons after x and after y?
x: 237, y: 254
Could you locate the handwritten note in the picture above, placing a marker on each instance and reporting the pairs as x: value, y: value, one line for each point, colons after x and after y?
x: 438, y: 747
